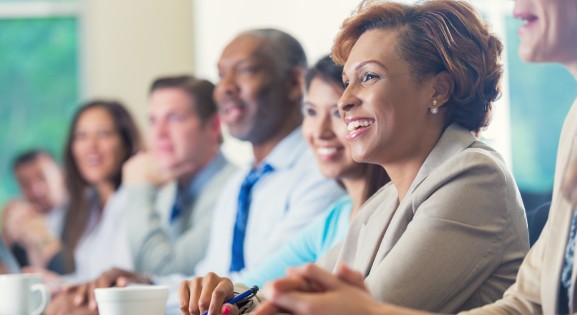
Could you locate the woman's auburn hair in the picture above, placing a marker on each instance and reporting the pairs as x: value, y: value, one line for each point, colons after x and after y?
x: 436, y: 36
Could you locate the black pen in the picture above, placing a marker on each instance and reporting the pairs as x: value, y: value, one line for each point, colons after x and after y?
x: 238, y: 298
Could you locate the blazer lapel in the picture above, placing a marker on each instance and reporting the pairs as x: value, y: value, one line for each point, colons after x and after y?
x: 372, y: 230
x: 397, y: 226
x: 454, y: 140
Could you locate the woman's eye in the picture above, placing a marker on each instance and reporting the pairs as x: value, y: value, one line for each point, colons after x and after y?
x: 369, y: 76
x: 337, y: 114
x: 310, y: 112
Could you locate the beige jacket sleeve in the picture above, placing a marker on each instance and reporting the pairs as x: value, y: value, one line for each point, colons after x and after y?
x: 536, y: 288
x: 524, y: 296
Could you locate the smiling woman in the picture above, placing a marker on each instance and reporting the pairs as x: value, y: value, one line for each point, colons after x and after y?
x: 101, y: 138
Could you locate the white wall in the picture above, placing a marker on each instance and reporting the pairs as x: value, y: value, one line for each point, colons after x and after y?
x: 126, y: 44
x: 315, y: 23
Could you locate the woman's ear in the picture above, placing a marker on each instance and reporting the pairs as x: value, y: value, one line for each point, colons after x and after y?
x: 443, y: 87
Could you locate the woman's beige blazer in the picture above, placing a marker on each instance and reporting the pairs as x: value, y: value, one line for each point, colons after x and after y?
x: 453, y: 243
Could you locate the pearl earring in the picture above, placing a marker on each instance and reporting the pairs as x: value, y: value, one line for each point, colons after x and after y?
x: 434, y: 109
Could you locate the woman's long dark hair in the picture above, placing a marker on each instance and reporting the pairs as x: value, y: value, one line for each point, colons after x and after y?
x: 79, y: 206
x: 327, y: 70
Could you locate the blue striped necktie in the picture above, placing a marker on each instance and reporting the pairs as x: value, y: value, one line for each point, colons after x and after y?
x: 244, y: 199
x: 566, y: 273
x: 176, y: 210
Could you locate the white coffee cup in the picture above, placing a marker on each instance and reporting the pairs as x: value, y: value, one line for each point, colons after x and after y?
x: 23, y: 294
x: 142, y: 300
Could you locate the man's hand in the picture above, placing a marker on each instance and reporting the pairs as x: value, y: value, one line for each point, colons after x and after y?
x: 143, y: 168
x: 24, y: 225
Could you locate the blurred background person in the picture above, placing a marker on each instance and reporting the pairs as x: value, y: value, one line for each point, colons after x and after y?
x: 43, y: 201
x: 169, y: 192
x: 101, y: 138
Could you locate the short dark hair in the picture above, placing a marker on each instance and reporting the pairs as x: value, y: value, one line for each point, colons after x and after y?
x: 327, y: 70
x: 283, y: 45
x: 28, y: 157
x: 436, y: 36
x: 199, y: 90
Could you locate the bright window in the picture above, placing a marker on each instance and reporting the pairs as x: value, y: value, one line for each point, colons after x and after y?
x: 39, y: 79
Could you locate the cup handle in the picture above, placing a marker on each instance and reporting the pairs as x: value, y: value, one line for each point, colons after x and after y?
x: 45, y: 294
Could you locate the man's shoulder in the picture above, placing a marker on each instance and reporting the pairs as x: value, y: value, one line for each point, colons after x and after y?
x: 220, y: 179
x: 303, y: 162
x: 227, y: 170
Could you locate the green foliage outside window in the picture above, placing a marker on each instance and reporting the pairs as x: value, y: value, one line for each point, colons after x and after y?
x: 39, y: 78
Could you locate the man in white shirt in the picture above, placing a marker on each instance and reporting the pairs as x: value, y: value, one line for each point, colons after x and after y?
x: 259, y: 96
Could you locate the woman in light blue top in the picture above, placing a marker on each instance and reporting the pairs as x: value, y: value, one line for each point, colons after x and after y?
x: 324, y: 131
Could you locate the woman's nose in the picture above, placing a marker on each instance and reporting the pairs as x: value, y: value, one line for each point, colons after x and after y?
x: 324, y: 128
x: 347, y: 101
